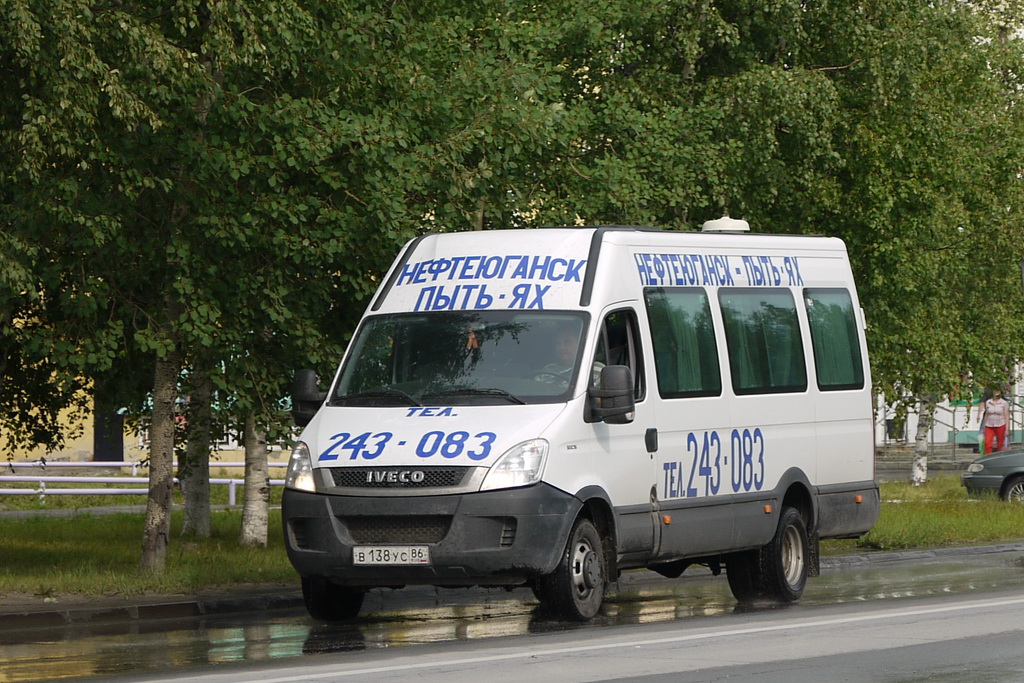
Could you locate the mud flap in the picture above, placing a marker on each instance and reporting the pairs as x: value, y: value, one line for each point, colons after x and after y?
x: 813, y: 553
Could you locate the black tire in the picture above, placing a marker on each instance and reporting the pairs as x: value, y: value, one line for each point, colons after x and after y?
x: 575, y: 590
x: 786, y: 557
x: 1013, y: 490
x: 744, y: 575
x: 777, y: 571
x: 329, y: 602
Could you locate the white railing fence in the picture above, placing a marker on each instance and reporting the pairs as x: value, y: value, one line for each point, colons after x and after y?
x: 124, y: 484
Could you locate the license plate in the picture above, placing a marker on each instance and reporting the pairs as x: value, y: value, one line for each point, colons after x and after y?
x: 390, y: 554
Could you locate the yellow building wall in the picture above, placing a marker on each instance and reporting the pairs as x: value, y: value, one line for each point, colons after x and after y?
x: 80, y: 447
x: 76, y: 449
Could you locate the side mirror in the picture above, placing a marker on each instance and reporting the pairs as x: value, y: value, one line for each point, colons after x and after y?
x: 612, y: 402
x: 306, y: 397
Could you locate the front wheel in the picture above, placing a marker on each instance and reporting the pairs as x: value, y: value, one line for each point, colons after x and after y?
x: 575, y: 590
x: 1013, y: 492
x: 329, y: 602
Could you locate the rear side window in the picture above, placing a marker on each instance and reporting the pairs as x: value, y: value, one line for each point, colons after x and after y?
x: 683, y: 336
x: 837, y: 359
x: 762, y: 332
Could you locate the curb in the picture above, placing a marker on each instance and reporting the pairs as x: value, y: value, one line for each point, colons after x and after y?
x: 141, y: 610
x: 917, y: 555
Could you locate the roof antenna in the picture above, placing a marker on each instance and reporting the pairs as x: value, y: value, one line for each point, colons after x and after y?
x: 726, y: 224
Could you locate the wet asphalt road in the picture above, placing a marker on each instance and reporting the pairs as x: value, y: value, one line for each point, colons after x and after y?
x: 407, y: 620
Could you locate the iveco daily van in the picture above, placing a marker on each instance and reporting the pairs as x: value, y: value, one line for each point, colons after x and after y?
x: 550, y: 407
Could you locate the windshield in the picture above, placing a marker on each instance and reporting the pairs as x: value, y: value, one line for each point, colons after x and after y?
x: 462, y: 358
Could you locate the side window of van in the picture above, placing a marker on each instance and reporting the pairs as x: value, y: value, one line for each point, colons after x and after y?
x: 762, y: 332
x: 837, y: 359
x: 683, y: 336
x: 619, y: 345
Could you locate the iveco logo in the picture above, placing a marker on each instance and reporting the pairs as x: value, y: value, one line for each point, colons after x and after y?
x: 395, y: 477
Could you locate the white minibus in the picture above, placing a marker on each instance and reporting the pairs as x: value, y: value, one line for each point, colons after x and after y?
x: 551, y: 407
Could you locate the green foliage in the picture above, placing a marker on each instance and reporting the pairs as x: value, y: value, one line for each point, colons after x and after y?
x: 929, y: 185
x: 233, y: 179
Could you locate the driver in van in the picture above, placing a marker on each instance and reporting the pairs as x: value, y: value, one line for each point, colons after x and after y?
x: 560, y: 369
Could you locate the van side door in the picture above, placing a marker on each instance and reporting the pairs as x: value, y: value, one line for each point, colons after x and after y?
x: 693, y: 419
x: 625, y: 459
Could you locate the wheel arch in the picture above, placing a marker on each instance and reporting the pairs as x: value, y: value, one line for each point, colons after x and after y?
x: 597, y: 507
x: 1008, y: 481
x: 796, y: 493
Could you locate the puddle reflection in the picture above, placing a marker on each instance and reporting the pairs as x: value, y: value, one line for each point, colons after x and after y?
x: 401, y: 618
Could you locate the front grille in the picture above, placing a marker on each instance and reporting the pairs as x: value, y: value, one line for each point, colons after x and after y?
x: 399, y: 477
x: 387, y: 530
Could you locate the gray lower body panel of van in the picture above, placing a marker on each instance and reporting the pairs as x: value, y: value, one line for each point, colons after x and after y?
x: 489, y: 538
x: 839, y: 513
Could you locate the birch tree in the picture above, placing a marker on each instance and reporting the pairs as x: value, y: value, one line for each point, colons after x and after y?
x: 932, y: 192
x: 257, y: 485
x: 194, y: 470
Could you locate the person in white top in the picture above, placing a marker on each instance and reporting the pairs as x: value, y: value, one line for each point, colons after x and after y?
x: 996, y: 417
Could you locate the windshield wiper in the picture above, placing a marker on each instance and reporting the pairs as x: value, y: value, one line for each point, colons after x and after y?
x: 476, y: 392
x: 376, y: 393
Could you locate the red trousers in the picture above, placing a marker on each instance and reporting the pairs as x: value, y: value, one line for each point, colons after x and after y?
x: 999, y: 433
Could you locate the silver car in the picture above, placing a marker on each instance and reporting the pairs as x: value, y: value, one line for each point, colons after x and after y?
x: 999, y: 474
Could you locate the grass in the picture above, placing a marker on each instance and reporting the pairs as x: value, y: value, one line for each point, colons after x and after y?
x: 940, y: 514
x: 935, y: 515
x: 95, y: 555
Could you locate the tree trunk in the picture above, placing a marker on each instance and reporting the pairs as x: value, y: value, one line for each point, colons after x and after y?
x: 194, y: 472
x: 257, y: 485
x: 925, y: 419
x: 478, y: 215
x: 157, y: 526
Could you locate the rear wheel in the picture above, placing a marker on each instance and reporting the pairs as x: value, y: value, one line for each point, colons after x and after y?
x: 743, y: 572
x: 786, y: 560
x: 575, y: 590
x: 1013, y: 491
x: 329, y: 602
x: 777, y: 571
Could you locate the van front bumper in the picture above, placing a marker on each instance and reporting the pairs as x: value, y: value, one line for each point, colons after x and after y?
x: 491, y: 538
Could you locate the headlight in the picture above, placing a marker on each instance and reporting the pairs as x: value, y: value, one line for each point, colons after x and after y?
x: 975, y: 467
x: 521, y: 465
x: 300, y: 469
